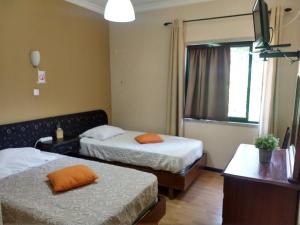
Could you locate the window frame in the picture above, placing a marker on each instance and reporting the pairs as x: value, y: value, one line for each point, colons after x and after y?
x: 230, y: 44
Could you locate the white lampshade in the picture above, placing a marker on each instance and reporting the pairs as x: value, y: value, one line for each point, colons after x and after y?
x: 35, y: 58
x: 119, y: 11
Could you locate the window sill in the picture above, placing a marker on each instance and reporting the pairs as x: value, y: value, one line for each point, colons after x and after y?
x: 229, y: 123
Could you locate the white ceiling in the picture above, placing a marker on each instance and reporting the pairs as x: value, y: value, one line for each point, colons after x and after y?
x: 139, y: 5
x: 147, y: 5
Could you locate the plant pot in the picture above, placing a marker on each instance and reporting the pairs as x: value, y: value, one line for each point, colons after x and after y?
x: 265, y: 156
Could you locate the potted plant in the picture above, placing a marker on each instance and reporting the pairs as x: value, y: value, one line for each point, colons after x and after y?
x: 266, y: 146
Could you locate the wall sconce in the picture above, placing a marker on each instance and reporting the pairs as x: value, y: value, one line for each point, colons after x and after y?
x: 35, y: 58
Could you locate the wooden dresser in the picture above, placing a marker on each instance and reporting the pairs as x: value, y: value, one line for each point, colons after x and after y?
x: 259, y: 194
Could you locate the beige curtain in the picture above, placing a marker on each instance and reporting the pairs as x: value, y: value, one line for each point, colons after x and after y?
x: 175, y: 80
x: 269, y: 106
x: 208, y: 78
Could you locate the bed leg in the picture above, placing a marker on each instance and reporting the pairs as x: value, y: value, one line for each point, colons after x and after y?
x: 171, y: 193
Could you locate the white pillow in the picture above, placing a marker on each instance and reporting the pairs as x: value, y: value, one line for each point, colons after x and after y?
x: 15, y: 160
x: 103, y: 132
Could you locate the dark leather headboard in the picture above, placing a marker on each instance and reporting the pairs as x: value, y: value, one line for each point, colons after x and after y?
x: 25, y: 134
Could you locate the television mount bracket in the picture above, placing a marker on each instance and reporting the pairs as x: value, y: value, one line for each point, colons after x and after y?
x: 269, y: 52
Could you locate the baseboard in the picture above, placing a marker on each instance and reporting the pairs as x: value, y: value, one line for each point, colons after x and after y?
x: 213, y: 169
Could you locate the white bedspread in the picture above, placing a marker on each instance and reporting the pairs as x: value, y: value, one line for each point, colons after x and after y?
x: 173, y: 155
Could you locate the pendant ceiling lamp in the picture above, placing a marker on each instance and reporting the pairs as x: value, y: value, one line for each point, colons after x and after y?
x: 119, y: 11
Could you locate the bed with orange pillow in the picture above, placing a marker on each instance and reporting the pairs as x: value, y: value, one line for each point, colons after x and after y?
x: 49, y: 189
x: 172, y: 154
x: 176, y: 161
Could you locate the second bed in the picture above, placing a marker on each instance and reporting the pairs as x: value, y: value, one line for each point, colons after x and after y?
x: 176, y: 162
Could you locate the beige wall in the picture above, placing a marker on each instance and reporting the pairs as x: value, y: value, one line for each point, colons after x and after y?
x: 74, y: 46
x: 139, y: 67
x: 218, y: 139
x: 139, y: 60
x: 288, y: 73
x: 220, y: 30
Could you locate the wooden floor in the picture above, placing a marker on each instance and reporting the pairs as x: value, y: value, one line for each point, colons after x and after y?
x: 200, y: 205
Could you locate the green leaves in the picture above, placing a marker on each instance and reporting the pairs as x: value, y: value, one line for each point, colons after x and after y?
x: 268, y: 142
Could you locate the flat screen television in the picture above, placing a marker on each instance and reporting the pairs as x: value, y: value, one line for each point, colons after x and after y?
x: 261, y: 23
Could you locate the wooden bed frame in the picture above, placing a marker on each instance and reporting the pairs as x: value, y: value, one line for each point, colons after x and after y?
x: 155, y: 214
x: 172, y: 181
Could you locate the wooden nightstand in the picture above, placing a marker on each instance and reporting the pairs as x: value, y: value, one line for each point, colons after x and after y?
x: 67, y: 146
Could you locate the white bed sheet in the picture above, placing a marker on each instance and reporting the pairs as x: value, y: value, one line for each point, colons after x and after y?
x: 173, y: 155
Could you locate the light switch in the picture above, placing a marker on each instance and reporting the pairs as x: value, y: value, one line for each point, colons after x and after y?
x: 36, y: 92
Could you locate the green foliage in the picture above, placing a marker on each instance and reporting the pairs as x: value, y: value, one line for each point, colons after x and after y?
x: 268, y: 142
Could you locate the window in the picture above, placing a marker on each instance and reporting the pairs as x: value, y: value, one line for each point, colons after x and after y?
x: 245, y: 82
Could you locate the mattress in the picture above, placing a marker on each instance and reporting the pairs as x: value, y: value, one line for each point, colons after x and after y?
x: 119, y: 196
x: 173, y: 155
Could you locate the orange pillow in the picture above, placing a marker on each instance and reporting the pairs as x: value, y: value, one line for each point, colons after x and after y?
x: 148, y: 139
x: 71, y: 177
